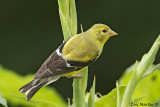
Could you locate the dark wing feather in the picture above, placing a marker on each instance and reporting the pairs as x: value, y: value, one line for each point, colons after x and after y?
x: 81, y: 64
x: 53, y: 65
x: 56, y: 65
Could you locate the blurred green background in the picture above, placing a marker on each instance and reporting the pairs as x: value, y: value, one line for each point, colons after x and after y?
x: 30, y: 30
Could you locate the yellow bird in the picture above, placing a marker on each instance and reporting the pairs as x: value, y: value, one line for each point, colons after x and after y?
x: 70, y: 58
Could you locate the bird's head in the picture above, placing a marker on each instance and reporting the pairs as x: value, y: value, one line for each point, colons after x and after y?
x: 101, y: 32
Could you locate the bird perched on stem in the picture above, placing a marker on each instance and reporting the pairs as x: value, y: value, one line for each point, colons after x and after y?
x: 70, y: 58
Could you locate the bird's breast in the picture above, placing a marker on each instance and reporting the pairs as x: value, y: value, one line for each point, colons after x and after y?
x: 79, y: 49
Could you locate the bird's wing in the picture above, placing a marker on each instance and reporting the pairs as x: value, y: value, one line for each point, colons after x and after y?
x: 55, y: 64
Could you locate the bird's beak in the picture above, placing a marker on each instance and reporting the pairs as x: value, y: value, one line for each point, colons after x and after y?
x: 112, y: 33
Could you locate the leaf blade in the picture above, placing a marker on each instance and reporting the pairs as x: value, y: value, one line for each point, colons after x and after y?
x: 92, y: 95
x: 3, y: 101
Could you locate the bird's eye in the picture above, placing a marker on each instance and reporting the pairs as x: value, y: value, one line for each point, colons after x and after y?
x: 104, y: 30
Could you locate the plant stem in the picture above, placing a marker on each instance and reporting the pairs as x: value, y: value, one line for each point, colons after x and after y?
x: 79, y: 89
x: 65, y: 18
x: 118, y: 95
x: 68, y: 16
x: 130, y: 89
x: 92, y: 95
x: 78, y: 97
x: 73, y: 15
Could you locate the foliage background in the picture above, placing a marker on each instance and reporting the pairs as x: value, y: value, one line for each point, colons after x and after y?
x: 30, y: 31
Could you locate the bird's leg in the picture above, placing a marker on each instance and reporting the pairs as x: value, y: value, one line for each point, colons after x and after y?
x: 79, y: 75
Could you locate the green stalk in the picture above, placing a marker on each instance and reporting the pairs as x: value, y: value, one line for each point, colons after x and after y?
x: 65, y: 18
x: 92, y: 95
x: 79, y: 89
x: 69, y: 102
x: 68, y: 17
x: 78, y: 97
x: 118, y: 95
x: 130, y: 89
x: 84, y: 80
x: 73, y: 15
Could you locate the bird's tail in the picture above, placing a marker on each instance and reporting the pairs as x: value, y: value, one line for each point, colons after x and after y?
x: 31, y: 88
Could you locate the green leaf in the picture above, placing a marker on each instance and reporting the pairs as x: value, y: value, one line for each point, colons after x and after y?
x: 3, y: 101
x: 10, y: 82
x: 124, y: 79
x: 156, y: 104
x: 151, y: 70
x: 148, y: 88
x: 68, y: 16
x: 130, y: 89
x: 65, y: 18
x: 73, y: 17
x: 148, y: 59
x: 84, y: 80
x: 118, y: 95
x: 92, y: 95
x: 69, y: 102
x: 136, y: 100
x: 110, y: 100
x: 139, y: 72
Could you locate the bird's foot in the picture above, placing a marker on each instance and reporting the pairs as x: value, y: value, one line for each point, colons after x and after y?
x: 79, y: 75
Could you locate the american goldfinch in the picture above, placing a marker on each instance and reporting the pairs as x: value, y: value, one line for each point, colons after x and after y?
x: 70, y: 58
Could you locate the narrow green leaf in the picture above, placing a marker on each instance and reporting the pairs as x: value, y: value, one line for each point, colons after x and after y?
x: 84, y: 80
x: 118, y: 95
x: 73, y: 17
x: 92, y: 95
x: 148, y: 59
x: 65, y: 18
x: 3, y: 101
x: 69, y: 102
x: 130, y: 89
x: 81, y: 28
x: 151, y: 70
x: 64, y: 6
